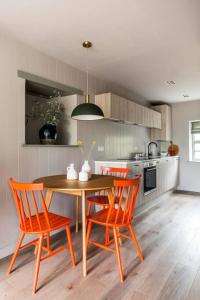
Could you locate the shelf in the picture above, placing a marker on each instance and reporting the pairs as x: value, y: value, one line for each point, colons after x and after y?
x: 46, y: 146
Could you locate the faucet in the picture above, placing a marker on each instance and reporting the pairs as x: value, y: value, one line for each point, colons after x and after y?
x: 149, y: 145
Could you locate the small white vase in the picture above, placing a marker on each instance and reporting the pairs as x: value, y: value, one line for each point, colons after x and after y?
x: 71, y: 172
x: 86, y: 168
x: 83, y: 176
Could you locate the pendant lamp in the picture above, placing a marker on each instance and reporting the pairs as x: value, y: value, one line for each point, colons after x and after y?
x: 87, y: 111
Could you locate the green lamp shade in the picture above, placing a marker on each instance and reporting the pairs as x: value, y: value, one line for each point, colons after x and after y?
x: 87, y: 112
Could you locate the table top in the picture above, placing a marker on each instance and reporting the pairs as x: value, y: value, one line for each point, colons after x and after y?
x: 60, y: 182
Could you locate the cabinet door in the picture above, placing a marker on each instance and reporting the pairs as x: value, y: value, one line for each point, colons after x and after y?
x: 123, y: 104
x: 164, y: 133
x: 115, y: 107
x: 175, y: 172
x: 131, y: 112
x: 156, y: 119
x: 135, y: 170
x: 104, y: 102
x: 163, y: 175
x: 139, y: 114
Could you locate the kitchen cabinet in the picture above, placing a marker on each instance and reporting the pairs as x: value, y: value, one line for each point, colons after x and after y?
x: 117, y: 108
x: 136, y: 169
x: 110, y: 104
x: 165, y: 133
x: 167, y: 175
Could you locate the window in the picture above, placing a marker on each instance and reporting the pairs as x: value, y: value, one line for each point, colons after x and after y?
x: 195, y: 140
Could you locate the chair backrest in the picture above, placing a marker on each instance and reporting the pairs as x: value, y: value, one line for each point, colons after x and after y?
x: 29, y: 201
x: 119, y: 172
x: 126, y: 193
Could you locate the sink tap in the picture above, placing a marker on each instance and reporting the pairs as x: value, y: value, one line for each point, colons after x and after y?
x: 149, y: 145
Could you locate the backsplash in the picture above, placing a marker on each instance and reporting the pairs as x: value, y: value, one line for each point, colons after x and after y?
x: 118, y: 140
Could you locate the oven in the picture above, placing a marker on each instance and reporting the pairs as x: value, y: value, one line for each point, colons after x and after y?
x: 149, y: 177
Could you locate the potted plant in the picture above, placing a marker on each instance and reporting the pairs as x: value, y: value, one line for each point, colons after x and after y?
x: 51, y: 112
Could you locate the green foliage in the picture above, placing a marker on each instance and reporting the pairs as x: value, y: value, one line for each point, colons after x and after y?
x: 51, y: 111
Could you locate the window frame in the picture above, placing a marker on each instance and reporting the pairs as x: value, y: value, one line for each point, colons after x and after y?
x: 192, y: 143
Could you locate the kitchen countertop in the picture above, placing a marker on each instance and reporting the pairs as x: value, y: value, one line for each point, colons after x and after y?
x: 129, y: 160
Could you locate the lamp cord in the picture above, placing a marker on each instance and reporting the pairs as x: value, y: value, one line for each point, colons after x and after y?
x: 87, y: 81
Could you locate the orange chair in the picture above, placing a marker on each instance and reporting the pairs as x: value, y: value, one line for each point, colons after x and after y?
x: 118, y: 217
x: 101, y: 199
x: 36, y: 220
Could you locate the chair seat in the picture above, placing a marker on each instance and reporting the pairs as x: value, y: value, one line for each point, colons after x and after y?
x: 55, y: 221
x: 101, y: 200
x: 100, y: 217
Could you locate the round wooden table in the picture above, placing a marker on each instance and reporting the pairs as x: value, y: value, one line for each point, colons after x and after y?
x: 60, y: 184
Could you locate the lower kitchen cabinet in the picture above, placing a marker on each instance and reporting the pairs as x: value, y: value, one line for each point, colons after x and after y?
x: 167, y: 175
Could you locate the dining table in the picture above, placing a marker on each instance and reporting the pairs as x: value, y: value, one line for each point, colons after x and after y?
x: 60, y: 184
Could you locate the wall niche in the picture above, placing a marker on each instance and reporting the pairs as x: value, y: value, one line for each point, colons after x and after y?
x: 45, y: 102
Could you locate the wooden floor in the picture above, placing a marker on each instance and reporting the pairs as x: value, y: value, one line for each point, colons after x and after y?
x: 169, y: 235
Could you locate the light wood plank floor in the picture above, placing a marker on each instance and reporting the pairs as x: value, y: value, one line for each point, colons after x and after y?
x: 169, y: 235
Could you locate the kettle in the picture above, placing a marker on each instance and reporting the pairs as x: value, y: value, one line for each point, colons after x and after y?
x: 71, y: 172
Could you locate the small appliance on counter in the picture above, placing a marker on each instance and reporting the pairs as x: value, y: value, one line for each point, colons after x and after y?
x: 163, y: 154
x: 136, y: 155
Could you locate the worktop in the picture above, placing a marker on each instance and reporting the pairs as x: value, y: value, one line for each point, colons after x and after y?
x: 142, y: 160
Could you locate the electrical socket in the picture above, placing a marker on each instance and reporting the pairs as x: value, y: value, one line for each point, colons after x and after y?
x: 100, y: 148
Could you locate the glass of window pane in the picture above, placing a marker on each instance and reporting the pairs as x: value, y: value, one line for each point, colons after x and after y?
x: 197, y: 147
x: 197, y: 155
x: 197, y: 136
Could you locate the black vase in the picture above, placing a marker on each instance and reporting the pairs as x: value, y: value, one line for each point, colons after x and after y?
x: 48, y: 134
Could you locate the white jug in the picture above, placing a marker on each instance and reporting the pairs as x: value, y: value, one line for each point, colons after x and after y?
x: 83, y: 176
x: 71, y: 172
x: 86, y: 168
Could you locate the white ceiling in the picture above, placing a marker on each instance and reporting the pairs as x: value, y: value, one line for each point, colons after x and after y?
x: 139, y: 44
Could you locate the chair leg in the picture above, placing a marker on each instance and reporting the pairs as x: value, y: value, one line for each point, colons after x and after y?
x: 48, y: 242
x: 89, y: 229
x: 88, y: 211
x: 136, y: 243
x: 16, y: 252
x: 89, y: 208
x: 77, y: 206
x: 37, y: 266
x: 120, y: 240
x: 107, y: 235
x: 118, y: 254
x: 71, y: 249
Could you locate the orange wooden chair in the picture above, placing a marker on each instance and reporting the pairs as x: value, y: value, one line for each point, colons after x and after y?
x: 115, y: 217
x: 36, y: 220
x: 101, y: 198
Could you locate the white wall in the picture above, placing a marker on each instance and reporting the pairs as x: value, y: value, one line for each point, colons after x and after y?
x: 182, y: 113
x: 27, y: 163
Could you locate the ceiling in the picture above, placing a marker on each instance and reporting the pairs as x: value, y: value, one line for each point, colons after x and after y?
x: 139, y: 44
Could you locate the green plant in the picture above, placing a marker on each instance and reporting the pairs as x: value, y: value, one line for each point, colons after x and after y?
x: 51, y: 111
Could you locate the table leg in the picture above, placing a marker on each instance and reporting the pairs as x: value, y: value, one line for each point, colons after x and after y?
x: 77, y: 206
x: 84, y: 234
x: 48, y: 198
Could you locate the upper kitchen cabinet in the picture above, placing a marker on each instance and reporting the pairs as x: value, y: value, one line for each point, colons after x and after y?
x: 165, y: 133
x: 120, y: 109
x: 113, y: 106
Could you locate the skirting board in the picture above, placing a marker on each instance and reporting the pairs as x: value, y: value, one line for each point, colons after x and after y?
x: 187, y: 192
